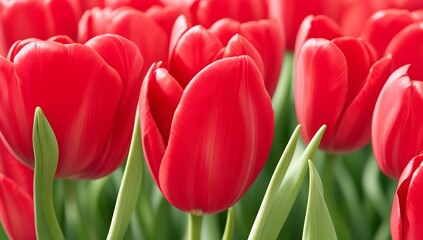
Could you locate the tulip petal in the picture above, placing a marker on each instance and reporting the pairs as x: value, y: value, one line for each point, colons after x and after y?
x: 122, y: 55
x: 238, y: 45
x: 225, y: 29
x: 180, y: 26
x: 382, y: 27
x: 404, y: 47
x: 16, y: 210
x: 270, y: 43
x: 215, y: 130
x: 51, y: 75
x: 354, y: 128
x: 159, y: 98
x: 65, y: 15
x: 196, y: 49
x: 321, y: 87
x: 164, y: 16
x: 396, y: 124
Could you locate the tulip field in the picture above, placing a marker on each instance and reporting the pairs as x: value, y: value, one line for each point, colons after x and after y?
x: 211, y: 119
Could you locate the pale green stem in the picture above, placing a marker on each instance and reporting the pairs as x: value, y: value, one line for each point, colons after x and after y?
x: 194, y: 227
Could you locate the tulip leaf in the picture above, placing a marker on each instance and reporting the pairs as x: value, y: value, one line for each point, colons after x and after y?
x: 46, y: 153
x: 282, y: 191
x: 130, y: 188
x: 318, y: 223
x: 230, y: 224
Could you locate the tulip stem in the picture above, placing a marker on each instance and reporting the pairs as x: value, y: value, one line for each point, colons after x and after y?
x: 194, y: 226
x: 230, y: 224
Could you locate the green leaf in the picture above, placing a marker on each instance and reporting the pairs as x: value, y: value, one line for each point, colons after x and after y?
x: 130, y: 188
x: 46, y: 153
x: 283, y: 190
x: 318, y: 223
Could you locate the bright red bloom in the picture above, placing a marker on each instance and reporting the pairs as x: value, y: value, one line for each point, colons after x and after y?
x: 88, y: 93
x: 16, y: 197
x: 397, y: 129
x: 337, y: 83
x: 265, y: 46
x: 145, y: 32
x: 198, y: 129
x: 23, y: 19
x: 407, y: 208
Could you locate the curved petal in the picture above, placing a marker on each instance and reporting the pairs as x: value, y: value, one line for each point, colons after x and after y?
x: 25, y: 19
x: 182, y: 24
x: 413, y: 209
x: 382, y: 27
x: 207, y: 12
x: 65, y: 15
x: 359, y: 60
x: 354, y: 126
x: 137, y: 4
x: 319, y: 26
x: 407, y: 48
x: 159, y: 98
x: 238, y: 45
x: 122, y: 55
x: 270, y: 43
x: 320, y: 88
x: 396, y: 124
x: 196, y: 49
x: 164, y: 16
x: 79, y: 94
x: 16, y: 210
x: 94, y: 22
x: 225, y: 29
x: 214, y: 131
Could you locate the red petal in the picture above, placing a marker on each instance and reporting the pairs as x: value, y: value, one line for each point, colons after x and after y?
x: 382, y: 27
x: 396, y: 124
x: 124, y: 57
x: 137, y: 4
x: 225, y: 29
x: 65, y: 15
x: 214, y: 131
x: 321, y: 88
x: 16, y: 210
x: 407, y: 48
x: 354, y: 128
x: 269, y: 42
x: 164, y: 16
x: 65, y: 81
x: 196, y: 49
x: 159, y: 98
x: 238, y: 45
x: 179, y: 28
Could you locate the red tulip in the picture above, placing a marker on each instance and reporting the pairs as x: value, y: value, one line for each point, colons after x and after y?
x: 407, y: 208
x: 22, y: 19
x: 290, y: 14
x: 384, y: 25
x: 397, y: 129
x: 207, y: 12
x: 196, y: 133
x: 87, y: 92
x: 336, y: 85
x: 16, y: 197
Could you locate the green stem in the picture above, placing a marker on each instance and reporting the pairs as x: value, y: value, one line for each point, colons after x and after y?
x: 130, y: 188
x: 230, y: 224
x: 194, y: 227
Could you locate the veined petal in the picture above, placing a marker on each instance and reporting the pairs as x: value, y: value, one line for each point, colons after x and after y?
x: 181, y: 25
x: 354, y: 126
x: 225, y: 29
x: 406, y: 48
x: 196, y: 49
x: 412, y: 220
x: 160, y: 95
x: 16, y: 210
x: 124, y: 56
x: 396, y: 125
x: 216, y: 129
x: 79, y: 94
x: 321, y: 88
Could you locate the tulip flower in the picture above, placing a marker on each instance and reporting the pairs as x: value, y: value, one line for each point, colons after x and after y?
x: 207, y: 12
x: 22, y: 19
x: 337, y: 83
x: 132, y: 24
x: 16, y: 197
x: 406, y: 215
x: 397, y: 129
x: 261, y: 40
x: 290, y: 14
x: 88, y: 93
x: 196, y: 133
